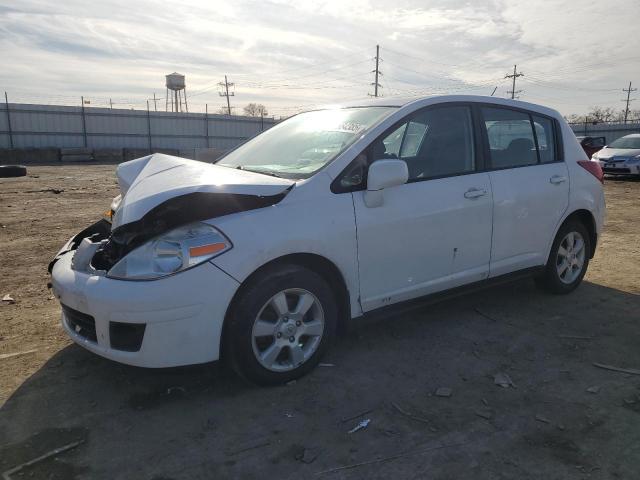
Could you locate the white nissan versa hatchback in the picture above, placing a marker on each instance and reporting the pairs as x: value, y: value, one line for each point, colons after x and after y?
x: 329, y: 215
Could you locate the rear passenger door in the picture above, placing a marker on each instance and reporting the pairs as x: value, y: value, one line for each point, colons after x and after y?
x: 530, y: 184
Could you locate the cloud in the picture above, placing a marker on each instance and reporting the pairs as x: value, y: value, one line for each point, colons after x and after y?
x: 288, y: 54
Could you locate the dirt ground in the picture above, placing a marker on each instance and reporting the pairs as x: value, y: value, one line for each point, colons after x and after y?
x: 562, y: 418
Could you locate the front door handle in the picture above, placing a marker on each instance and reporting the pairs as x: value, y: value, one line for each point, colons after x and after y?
x: 556, y: 179
x: 474, y: 193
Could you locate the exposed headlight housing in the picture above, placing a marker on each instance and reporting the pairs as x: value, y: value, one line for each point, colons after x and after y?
x: 635, y: 159
x: 172, y: 252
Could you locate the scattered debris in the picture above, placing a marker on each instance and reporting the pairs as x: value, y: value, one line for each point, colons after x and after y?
x: 46, y: 190
x: 484, y: 400
x: 248, y: 448
x: 503, y: 380
x: 170, y: 390
x: 291, y: 382
x: 409, y: 415
x: 561, y: 427
x: 7, y: 474
x: 8, y: 298
x: 631, y: 371
x: 575, y: 337
x: 308, y: 455
x: 482, y: 314
x: 594, y: 389
x: 353, y: 417
x: 15, y: 354
x: 443, y: 392
x: 485, y: 413
x: 288, y: 415
x: 542, y: 418
x: 361, y: 426
x: 390, y: 458
x: 326, y: 365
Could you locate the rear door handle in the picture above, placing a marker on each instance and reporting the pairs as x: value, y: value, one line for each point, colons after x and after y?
x: 474, y: 193
x: 556, y: 179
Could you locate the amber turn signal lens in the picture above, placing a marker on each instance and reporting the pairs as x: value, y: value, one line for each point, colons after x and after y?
x: 206, y: 249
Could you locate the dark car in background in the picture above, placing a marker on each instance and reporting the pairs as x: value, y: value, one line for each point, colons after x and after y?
x: 592, y: 144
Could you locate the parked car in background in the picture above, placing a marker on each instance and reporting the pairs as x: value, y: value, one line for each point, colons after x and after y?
x: 329, y: 215
x: 621, y: 157
x: 591, y: 145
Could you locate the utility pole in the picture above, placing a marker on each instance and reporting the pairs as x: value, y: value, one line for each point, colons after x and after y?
x: 626, y: 110
x: 110, y: 104
x: 155, y: 104
x: 225, y: 93
x: 514, y: 75
x: 377, y: 71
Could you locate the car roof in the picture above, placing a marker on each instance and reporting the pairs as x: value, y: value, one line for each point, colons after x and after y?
x: 632, y: 135
x: 401, y: 102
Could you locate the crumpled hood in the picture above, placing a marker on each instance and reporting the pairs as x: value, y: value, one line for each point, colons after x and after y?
x: 150, y: 181
x: 607, y: 153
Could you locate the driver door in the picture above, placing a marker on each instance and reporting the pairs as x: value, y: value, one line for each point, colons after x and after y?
x: 433, y: 232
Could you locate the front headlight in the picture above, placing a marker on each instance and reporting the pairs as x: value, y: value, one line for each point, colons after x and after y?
x: 172, y: 252
x: 635, y: 159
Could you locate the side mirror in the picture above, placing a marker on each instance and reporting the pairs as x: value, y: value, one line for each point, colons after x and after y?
x: 384, y: 174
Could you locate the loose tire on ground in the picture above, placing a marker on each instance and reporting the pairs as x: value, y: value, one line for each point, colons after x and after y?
x: 7, y: 171
x: 260, y: 320
x: 551, y: 280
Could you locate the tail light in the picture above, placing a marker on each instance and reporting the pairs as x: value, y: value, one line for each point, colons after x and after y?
x: 593, y: 168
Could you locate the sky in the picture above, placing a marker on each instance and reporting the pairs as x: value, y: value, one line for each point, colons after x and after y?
x: 291, y: 55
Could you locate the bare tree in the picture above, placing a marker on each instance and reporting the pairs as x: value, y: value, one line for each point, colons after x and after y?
x: 603, y: 114
x: 573, y: 118
x: 256, y: 110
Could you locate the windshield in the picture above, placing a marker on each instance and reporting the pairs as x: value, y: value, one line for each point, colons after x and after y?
x: 301, y: 145
x: 626, y: 142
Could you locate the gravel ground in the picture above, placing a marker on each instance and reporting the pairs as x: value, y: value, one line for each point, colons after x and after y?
x: 562, y: 417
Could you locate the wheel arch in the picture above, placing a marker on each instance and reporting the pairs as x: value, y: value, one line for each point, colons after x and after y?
x: 314, y: 262
x: 588, y: 220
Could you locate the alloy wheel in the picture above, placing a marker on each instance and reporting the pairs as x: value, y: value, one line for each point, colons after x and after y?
x: 570, y: 258
x: 287, y: 330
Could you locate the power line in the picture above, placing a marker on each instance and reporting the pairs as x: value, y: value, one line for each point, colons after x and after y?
x: 626, y: 110
x: 513, y: 76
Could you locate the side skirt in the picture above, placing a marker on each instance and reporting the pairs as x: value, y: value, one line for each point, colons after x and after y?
x: 421, y: 302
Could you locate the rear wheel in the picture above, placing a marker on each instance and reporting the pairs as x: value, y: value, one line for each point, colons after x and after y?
x: 281, y: 325
x: 568, y: 259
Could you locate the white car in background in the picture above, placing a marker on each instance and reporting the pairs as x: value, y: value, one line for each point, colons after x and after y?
x: 330, y: 215
x: 621, y: 157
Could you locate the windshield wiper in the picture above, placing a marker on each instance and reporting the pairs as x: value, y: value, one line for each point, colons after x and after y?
x: 257, y: 170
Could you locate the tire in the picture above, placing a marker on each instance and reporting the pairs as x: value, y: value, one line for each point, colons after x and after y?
x: 267, y: 339
x: 567, y: 264
x: 7, y: 171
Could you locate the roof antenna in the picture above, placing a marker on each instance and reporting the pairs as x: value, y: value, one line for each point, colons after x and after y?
x: 494, y: 91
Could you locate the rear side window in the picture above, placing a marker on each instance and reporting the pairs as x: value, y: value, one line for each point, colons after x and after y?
x: 546, y: 139
x: 511, y: 138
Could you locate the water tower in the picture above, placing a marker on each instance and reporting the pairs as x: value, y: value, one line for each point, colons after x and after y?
x: 176, y: 93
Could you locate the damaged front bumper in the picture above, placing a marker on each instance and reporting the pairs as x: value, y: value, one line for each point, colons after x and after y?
x: 173, y: 321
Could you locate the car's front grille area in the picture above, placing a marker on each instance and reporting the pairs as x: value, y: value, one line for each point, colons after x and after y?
x: 126, y: 336
x: 81, y: 323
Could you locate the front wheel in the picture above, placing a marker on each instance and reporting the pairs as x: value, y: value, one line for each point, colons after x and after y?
x: 568, y: 259
x: 281, y: 325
